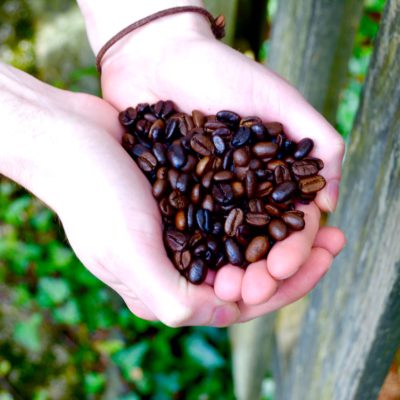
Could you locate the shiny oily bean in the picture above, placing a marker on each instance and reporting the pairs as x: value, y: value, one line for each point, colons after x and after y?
x: 128, y: 117
x: 257, y: 219
x: 318, y: 162
x: 180, y: 220
x: 243, y: 234
x: 303, y: 148
x: 197, y: 272
x: 223, y: 176
x: 150, y: 117
x: 250, y: 121
x: 175, y: 240
x: 250, y: 183
x: 274, y: 128
x: 265, y: 149
x: 259, y: 132
x: 177, y: 156
x: 222, y: 193
x: 195, y: 195
x: 147, y: 162
x: 304, y: 168
x: 128, y: 141
x: 272, y: 164
x: 186, y: 124
x: 233, y: 252
x: 277, y: 229
x: 212, y: 125
x: 178, y: 200
x: 198, y: 118
x: 160, y: 152
x: 233, y: 221
x: 223, y: 133
x: 173, y: 176
x: 208, y: 203
x: 138, y: 150
x: 281, y: 174
x: 219, y: 145
x: 312, y: 184
x: 241, y: 137
x: 160, y: 186
x: 238, y: 189
x: 284, y: 191
x: 293, y: 220
x: 255, y: 164
x: 182, y: 259
x: 227, y: 160
x: 183, y: 183
x: 204, y: 165
x: 264, y: 189
x: 272, y: 210
x: 190, y: 164
x: 241, y: 157
x: 228, y: 117
x: 165, y: 207
x: 162, y: 173
x: 157, y: 130
x: 206, y: 180
x: 203, y: 219
x: 190, y: 217
x: 163, y: 109
x: 257, y: 249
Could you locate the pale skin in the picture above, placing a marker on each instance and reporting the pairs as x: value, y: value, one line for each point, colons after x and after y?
x: 104, y: 202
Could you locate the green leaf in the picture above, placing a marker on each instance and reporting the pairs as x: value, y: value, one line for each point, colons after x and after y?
x: 130, y: 358
x: 109, y: 347
x: 94, y: 382
x: 203, y: 353
x: 52, y: 291
x: 15, y: 214
x: 68, y: 313
x: 27, y: 333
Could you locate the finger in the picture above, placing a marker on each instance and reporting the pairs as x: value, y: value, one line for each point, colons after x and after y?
x: 287, y: 256
x: 331, y: 239
x: 137, y: 308
x: 228, y: 283
x: 293, y: 288
x: 258, y: 285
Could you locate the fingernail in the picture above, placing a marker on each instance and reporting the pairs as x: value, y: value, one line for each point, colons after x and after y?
x: 332, y: 195
x: 225, y: 315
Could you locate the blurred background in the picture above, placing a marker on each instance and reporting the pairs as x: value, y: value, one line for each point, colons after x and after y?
x: 64, y: 334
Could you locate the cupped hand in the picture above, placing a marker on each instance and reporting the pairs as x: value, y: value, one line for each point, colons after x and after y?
x: 198, y: 72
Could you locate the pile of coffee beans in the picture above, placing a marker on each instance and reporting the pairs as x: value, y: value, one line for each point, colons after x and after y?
x: 226, y: 185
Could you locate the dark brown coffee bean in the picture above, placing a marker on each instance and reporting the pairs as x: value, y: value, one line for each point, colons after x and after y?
x: 200, y: 250
x: 157, y: 130
x: 196, y: 239
x: 143, y: 108
x: 196, y: 194
x: 303, y: 148
x: 147, y: 162
x: 218, y: 229
x: 253, y: 206
x: 228, y: 117
x: 216, y: 163
x: 163, y: 109
x: 186, y: 124
x: 318, y: 162
x: 204, y: 165
x: 190, y: 164
x: 160, y: 152
x: 257, y: 219
x: 180, y: 220
x: 233, y: 221
x: 223, y: 193
x: 311, y: 184
x: 282, y: 174
x: 272, y: 210
x: 128, y: 142
x: 175, y: 240
x: 304, y: 168
x: 142, y: 128
x: 224, y: 133
x: 201, y: 144
x: 173, y: 176
x: 223, y: 176
x: 264, y: 189
x: 165, y: 207
x: 284, y: 191
x: 243, y: 234
x: 238, y: 189
x: 197, y: 272
x: 250, y: 121
x: 242, y: 137
x: 150, y: 117
x: 219, y: 144
x: 274, y: 128
x: 265, y: 149
x: 171, y: 129
x: 198, y: 118
x: 138, y: 150
x: 212, y: 125
x: 293, y: 220
x: 289, y: 160
x: 159, y: 188
x: 162, y: 173
x: 279, y: 140
x: 212, y: 245
x: 241, y: 157
x: 227, y: 160
x: 128, y: 117
x: 233, y: 252
x: 182, y: 259
x: 257, y: 249
x: 176, y: 156
x: 220, y: 261
x: 272, y: 164
x: 265, y: 175
x: 306, y: 198
x: 241, y: 172
x: 259, y: 132
x: 190, y: 217
x: 277, y: 229
x: 203, y: 219
x: 208, y: 203
x: 255, y: 164
x: 250, y: 183
x: 183, y: 182
x: 178, y: 200
x: 206, y: 180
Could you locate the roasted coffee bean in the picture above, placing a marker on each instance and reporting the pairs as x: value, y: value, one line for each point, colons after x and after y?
x: 190, y: 217
x: 227, y: 160
x: 212, y: 125
x: 264, y: 189
x: 304, y: 168
x: 142, y: 128
x: 281, y: 174
x: 272, y: 210
x: 288, y: 146
x: 208, y: 203
x: 277, y: 229
x: 163, y: 109
x: 128, y: 117
x: 186, y: 124
x: 190, y: 164
x: 241, y: 157
x: 274, y: 128
x: 201, y: 144
x: 195, y: 196
x: 183, y: 182
x: 284, y: 191
x: 306, y: 198
x: 272, y: 164
x: 176, y: 156
x: 198, y: 118
x: 223, y: 176
x: 224, y: 133
x: 217, y: 229
x: 233, y: 221
x: 293, y: 220
x: 160, y: 151
x: 257, y: 219
x: 250, y: 184
x: 197, y: 272
x: 182, y: 259
x: 241, y: 137
x: 204, y: 165
x: 150, y: 117
x: 160, y: 186
x: 265, y: 174
x: 241, y: 172
x: 173, y: 176
x: 259, y: 132
x: 175, y: 240
x: 157, y: 130
x: 199, y: 250
x: 257, y: 249
x: 265, y: 149
x: 289, y: 160
x: 222, y: 193
x: 166, y: 209
x: 138, y: 150
x: 253, y: 206
x: 212, y: 245
x: 250, y: 121
x: 206, y: 180
x: 318, y: 162
x: 255, y: 164
x: 147, y: 162
x: 143, y: 108
x: 233, y: 252
x: 180, y: 220
x: 185, y: 142
x: 312, y: 184
x: 238, y: 189
x: 128, y: 142
x: 303, y: 148
x: 162, y: 173
x: 228, y: 117
x: 178, y: 200
x: 171, y: 129
x: 203, y: 218
x: 219, y: 144
x: 279, y: 140
x: 243, y: 234
x: 196, y: 239
x: 220, y: 261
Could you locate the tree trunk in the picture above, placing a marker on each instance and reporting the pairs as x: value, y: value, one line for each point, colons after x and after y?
x: 311, y: 44
x: 352, y: 327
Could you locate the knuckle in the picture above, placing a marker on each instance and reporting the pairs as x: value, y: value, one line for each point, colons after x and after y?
x: 178, y: 316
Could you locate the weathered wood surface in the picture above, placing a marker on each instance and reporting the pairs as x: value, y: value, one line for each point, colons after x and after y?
x: 311, y: 44
x: 352, y: 327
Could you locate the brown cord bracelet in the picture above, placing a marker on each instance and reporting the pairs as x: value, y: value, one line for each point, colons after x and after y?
x: 217, y: 26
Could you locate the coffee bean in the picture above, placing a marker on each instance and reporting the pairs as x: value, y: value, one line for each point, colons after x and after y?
x: 157, y: 130
x: 197, y: 272
x: 243, y: 234
x: 207, y: 179
x: 180, y: 220
x: 160, y: 151
x: 257, y: 219
x: 138, y: 150
x: 259, y: 132
x: 272, y: 210
x: 265, y: 149
x: 182, y: 259
x: 147, y: 162
x: 255, y: 164
x: 204, y: 165
x: 183, y: 182
x: 128, y: 117
x: 265, y: 174
x: 203, y: 218
x: 196, y: 194
x: 233, y: 221
x: 176, y: 156
x: 264, y: 189
x: 250, y: 184
x: 173, y: 176
x: 303, y: 148
x: 304, y: 168
x: 224, y: 133
x: 208, y: 203
x: 228, y: 117
x: 222, y: 193
x: 293, y: 220
x: 175, y: 240
x: 159, y: 188
x: 162, y: 173
x: 306, y: 198
x: 227, y: 160
x: 241, y: 137
x: 274, y: 128
x: 284, y: 191
x: 217, y: 229
x: 281, y: 174
x: 212, y: 125
x: 233, y: 252
x: 128, y: 142
x: 186, y: 124
x: 190, y: 164
x: 223, y: 176
x: 165, y: 207
x: 190, y: 217
x: 238, y: 189
x: 241, y: 157
x: 163, y: 109
x: 312, y: 184
x: 318, y: 162
x: 178, y: 200
x: 150, y: 117
x: 219, y: 144
x: 253, y: 206
x: 250, y: 121
x: 171, y: 129
x: 202, y: 144
x: 142, y: 128
x: 277, y: 229
x: 257, y: 249
x: 272, y: 164
x: 198, y: 118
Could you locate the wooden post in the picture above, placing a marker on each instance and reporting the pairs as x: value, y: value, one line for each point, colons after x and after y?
x: 352, y: 326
